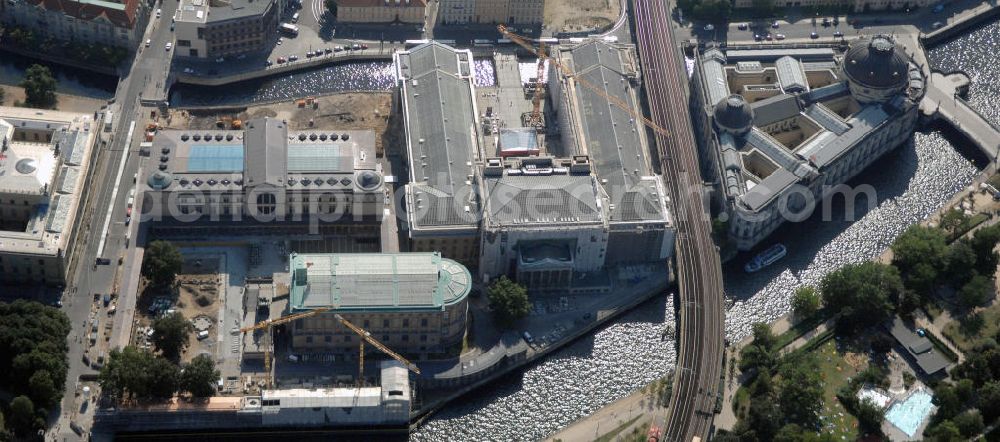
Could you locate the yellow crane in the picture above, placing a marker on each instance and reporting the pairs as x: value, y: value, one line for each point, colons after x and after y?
x: 523, y: 42
x: 536, y: 100
x: 367, y: 337
x: 268, y: 324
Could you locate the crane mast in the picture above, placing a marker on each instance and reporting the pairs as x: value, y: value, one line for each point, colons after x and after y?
x: 268, y: 325
x: 524, y: 43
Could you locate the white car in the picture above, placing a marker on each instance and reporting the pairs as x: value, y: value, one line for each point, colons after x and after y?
x: 169, y: 46
x: 188, y: 71
x: 159, y: 12
x: 709, y: 27
x: 148, y: 42
x: 779, y: 36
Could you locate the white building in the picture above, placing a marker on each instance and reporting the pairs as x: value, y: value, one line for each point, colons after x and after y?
x: 510, y: 12
x: 782, y: 129
x: 44, y: 163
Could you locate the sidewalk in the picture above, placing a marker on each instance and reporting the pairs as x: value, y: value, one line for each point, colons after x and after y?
x: 608, y: 418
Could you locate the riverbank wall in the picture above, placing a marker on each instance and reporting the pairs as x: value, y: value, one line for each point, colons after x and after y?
x: 286, y: 68
x: 967, y: 19
x: 64, y: 61
x: 419, y: 416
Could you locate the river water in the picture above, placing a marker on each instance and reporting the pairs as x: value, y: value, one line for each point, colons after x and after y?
x: 70, y: 81
x: 910, y: 183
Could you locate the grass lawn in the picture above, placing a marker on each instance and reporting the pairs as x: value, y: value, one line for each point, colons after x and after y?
x: 802, y: 327
x: 613, y: 434
x: 964, y: 342
x: 835, y: 371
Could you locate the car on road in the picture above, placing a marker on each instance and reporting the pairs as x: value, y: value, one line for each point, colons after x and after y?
x: 364, y: 46
x: 836, y: 20
x: 295, y: 17
x: 281, y: 60
x: 709, y: 27
x: 309, y: 54
x: 267, y: 63
x: 838, y: 34
x: 328, y: 50
x: 528, y: 338
x: 159, y: 12
x: 355, y: 47
x: 293, y: 57
x: 338, y: 48
x: 742, y: 26
x: 813, y: 35
x: 769, y: 37
x: 757, y: 37
x: 774, y: 25
x: 826, y: 22
x: 149, y: 41
x: 188, y: 71
x: 779, y: 36
x: 220, y: 59
x: 169, y: 45
x: 171, y: 27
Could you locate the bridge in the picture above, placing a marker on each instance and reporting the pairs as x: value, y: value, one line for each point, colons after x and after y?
x: 943, y: 101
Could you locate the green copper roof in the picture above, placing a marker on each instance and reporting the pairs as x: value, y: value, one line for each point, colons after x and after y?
x: 376, y: 281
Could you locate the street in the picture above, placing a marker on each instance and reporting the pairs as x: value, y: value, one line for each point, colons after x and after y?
x: 146, y: 78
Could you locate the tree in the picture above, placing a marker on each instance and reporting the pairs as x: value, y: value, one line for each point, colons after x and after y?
x: 199, y: 377
x: 989, y: 400
x: 805, y: 302
x: 162, y: 262
x: 789, y: 433
x: 22, y: 415
x: 800, y: 390
x: 134, y: 373
x: 43, y: 389
x: 864, y: 294
x: 869, y: 416
x: 919, y: 253
x: 976, y: 292
x: 509, y: 301
x: 961, y: 262
x: 983, y: 242
x: 331, y: 5
x: 171, y: 334
x: 945, y: 431
x: 947, y: 401
x: 953, y: 221
x: 762, y: 335
x: 969, y: 423
x: 39, y: 87
x: 764, y: 417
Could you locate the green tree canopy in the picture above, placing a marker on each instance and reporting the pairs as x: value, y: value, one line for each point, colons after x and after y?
x: 920, y: 253
x: 133, y: 373
x: 43, y: 388
x: 969, y: 423
x: 171, y: 333
x: 800, y: 390
x: 22, y: 415
x: 945, y: 431
x: 947, y: 401
x: 805, y: 302
x: 976, y: 292
x: 509, y: 301
x: 983, y: 242
x: 162, y: 262
x: 39, y: 87
x: 988, y: 400
x: 199, y: 377
x: 869, y: 416
x: 952, y: 221
x: 33, y: 345
x: 864, y: 294
x: 760, y: 354
x: 961, y: 265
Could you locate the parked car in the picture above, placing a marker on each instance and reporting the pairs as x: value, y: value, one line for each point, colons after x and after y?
x: 328, y: 50
x: 149, y: 41
x: 355, y: 47
x: 528, y: 338
x: 202, y: 335
x: 774, y: 25
x: 769, y: 37
x: 159, y: 12
x: 757, y: 37
x: 838, y: 34
x: 742, y: 26
x: 281, y: 60
x: 169, y: 46
x: 813, y: 35
x: 779, y: 36
x: 338, y: 48
x: 188, y: 71
x: 309, y: 54
x: 293, y: 57
x: 709, y: 27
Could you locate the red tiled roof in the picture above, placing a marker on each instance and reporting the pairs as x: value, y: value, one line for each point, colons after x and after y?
x: 124, y: 18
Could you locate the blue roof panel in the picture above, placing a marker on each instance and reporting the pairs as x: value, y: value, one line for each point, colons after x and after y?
x: 215, y: 158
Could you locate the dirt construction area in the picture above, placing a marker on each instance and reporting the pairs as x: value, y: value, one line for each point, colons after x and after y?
x: 580, y: 15
x: 344, y: 111
x: 196, y: 295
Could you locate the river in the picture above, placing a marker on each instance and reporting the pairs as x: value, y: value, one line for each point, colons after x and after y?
x: 70, y: 81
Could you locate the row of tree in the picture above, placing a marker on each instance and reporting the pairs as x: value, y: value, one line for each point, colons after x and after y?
x: 133, y: 374
x: 33, y: 359
x: 972, y: 399
x: 91, y: 53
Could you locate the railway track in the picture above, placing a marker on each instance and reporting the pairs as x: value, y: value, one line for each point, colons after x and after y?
x: 702, y: 314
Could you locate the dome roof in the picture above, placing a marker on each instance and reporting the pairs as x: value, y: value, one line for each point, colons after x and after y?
x: 369, y: 180
x: 734, y: 113
x: 160, y: 180
x: 26, y: 166
x: 876, y: 63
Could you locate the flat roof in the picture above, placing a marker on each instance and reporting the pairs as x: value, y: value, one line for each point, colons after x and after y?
x: 376, y: 281
x: 442, y: 135
x: 919, y: 347
x: 542, y: 200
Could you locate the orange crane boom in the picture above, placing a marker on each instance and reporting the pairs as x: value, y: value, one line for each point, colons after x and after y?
x: 268, y: 324
x: 366, y: 336
x: 523, y: 42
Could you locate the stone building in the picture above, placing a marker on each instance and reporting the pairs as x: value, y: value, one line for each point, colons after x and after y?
x: 106, y: 22
x: 415, y: 303
x: 43, y: 168
x: 782, y: 129
x: 263, y: 174
x: 221, y: 28
x: 382, y: 11
x: 510, y: 12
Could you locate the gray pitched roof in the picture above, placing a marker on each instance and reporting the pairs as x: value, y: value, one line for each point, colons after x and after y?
x: 613, y: 139
x: 442, y: 136
x: 791, y: 75
x: 919, y: 347
x: 542, y: 199
x: 265, y: 152
x: 774, y: 109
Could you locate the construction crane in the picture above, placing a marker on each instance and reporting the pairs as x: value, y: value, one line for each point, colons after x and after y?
x: 366, y: 337
x: 270, y: 323
x: 535, y: 120
x: 524, y: 43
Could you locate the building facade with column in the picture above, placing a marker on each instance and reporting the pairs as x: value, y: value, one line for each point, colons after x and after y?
x: 382, y: 11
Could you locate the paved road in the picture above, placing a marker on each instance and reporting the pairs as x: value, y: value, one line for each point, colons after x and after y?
x: 146, y: 78
x: 702, y: 316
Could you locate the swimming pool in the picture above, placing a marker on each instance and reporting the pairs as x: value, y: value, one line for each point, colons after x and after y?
x: 909, y: 414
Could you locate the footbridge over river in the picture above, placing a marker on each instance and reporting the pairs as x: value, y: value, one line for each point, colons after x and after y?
x: 943, y: 100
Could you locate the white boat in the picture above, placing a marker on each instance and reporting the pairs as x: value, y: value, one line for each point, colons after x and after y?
x: 766, y: 258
